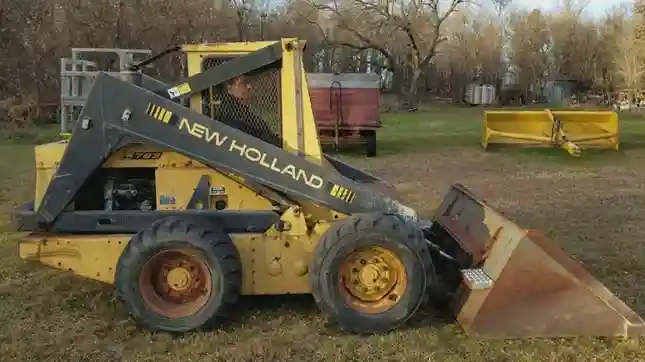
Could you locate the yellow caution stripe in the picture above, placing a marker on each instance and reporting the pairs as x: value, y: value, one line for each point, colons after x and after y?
x: 159, y: 113
x: 342, y: 193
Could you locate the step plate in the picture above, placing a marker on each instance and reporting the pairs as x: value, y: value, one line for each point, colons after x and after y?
x: 476, y: 279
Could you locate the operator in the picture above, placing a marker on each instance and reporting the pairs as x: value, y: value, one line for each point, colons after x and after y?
x: 234, y: 111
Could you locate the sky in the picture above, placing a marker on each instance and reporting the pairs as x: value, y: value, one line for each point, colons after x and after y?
x: 596, y: 8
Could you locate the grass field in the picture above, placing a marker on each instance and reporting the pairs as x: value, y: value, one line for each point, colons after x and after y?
x: 592, y: 206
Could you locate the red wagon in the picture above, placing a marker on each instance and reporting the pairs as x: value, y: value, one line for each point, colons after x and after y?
x: 346, y: 108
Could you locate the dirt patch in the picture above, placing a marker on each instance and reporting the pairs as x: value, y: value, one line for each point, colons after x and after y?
x: 594, y: 211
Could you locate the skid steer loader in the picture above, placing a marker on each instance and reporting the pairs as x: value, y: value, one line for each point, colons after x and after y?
x: 183, y: 212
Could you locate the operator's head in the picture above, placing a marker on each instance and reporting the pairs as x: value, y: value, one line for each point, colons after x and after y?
x: 239, y: 87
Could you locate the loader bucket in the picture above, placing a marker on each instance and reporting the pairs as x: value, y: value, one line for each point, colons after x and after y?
x: 515, y: 283
x: 568, y: 129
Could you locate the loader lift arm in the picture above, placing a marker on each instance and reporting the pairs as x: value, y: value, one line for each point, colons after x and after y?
x: 118, y: 113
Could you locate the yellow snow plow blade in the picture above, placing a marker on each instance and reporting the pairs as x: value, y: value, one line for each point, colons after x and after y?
x: 516, y: 283
x: 568, y: 129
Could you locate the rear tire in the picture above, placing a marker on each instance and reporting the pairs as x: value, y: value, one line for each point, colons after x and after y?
x: 370, y: 273
x: 179, y: 275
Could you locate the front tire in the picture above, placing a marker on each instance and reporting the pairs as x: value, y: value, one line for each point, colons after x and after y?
x: 370, y: 273
x: 179, y: 275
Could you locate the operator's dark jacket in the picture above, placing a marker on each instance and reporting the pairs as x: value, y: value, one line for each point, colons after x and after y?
x: 232, y: 112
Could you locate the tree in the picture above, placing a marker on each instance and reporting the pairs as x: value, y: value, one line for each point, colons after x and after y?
x: 501, y: 6
x: 407, y: 35
x: 530, y: 43
x: 418, y: 46
x: 472, y: 53
x: 574, y: 41
x: 629, y: 58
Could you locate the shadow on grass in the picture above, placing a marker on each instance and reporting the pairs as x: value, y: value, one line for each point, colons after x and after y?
x: 410, y: 146
x: 556, y: 155
x: 303, y: 306
x: 294, y: 303
x: 417, y: 145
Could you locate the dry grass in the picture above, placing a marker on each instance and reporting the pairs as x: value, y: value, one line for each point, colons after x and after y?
x: 591, y: 206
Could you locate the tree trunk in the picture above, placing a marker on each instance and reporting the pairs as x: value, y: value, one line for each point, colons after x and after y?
x: 330, y: 55
x: 362, y: 67
x: 413, y: 87
x: 397, y: 80
x: 344, y: 63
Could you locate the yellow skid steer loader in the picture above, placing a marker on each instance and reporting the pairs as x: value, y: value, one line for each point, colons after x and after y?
x: 184, y: 205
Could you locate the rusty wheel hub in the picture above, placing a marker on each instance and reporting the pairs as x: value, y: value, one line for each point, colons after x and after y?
x: 175, y: 283
x: 179, y: 279
x: 373, y: 279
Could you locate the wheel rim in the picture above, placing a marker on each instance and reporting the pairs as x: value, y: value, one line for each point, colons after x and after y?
x: 175, y: 283
x: 373, y: 279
